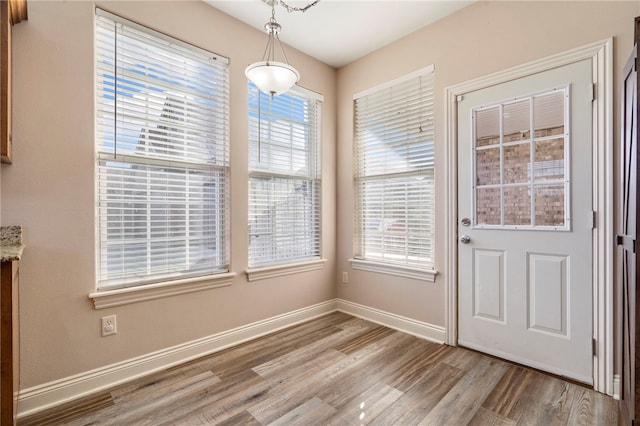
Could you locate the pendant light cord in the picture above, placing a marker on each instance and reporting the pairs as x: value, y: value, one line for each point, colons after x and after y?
x: 297, y: 9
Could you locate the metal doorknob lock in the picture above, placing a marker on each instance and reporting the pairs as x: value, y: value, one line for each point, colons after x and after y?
x: 465, y: 239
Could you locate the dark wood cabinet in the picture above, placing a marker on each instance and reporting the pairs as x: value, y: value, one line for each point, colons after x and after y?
x: 11, y: 12
x: 628, y: 239
x: 9, y: 342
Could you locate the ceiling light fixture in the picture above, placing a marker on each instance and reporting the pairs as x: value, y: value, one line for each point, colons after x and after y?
x: 269, y: 75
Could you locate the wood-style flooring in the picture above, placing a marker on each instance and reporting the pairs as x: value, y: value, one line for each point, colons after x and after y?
x: 341, y: 370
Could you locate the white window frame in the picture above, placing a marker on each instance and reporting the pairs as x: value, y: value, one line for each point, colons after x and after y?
x: 361, y: 261
x: 211, y: 162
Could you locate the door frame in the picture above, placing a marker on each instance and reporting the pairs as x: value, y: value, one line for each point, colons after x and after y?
x: 601, y: 55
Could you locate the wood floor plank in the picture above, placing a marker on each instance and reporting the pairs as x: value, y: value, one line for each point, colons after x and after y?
x: 69, y: 412
x: 365, y: 407
x: 279, y: 404
x: 242, y: 418
x: 356, y: 381
x: 136, y: 410
x: 512, y: 395
x: 126, y: 397
x: 252, y: 354
x: 594, y: 405
x: 426, y: 393
x: 301, y: 373
x: 355, y: 323
x: 307, y: 352
x: 364, y: 339
x: 312, y: 412
x: 226, y: 400
x: 485, y: 417
x: 460, y: 404
x: 410, y: 366
x: 552, y: 406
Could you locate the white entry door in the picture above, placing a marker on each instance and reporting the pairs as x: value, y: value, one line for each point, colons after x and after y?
x: 525, y: 221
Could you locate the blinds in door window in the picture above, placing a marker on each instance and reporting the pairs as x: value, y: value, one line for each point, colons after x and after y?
x: 284, y: 177
x: 162, y: 142
x: 394, y: 172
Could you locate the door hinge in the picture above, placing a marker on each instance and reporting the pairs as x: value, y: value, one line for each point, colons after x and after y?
x: 459, y: 98
x: 594, y: 219
x: 592, y: 89
x: 594, y: 347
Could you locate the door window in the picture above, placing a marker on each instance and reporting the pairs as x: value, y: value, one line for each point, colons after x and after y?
x: 520, y: 156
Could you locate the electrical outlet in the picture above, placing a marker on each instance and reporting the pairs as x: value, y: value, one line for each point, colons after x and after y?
x: 109, y: 325
x: 345, y: 277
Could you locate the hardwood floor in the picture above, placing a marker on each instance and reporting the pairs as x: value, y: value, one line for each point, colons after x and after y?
x: 341, y: 370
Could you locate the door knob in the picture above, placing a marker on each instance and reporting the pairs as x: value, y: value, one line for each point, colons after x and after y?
x: 465, y: 239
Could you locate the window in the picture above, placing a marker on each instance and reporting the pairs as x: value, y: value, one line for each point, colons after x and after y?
x: 394, y: 174
x: 162, y: 161
x: 284, y: 177
x: 521, y: 170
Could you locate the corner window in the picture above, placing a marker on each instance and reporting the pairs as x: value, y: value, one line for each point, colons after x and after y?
x: 284, y: 177
x: 394, y: 173
x: 162, y: 157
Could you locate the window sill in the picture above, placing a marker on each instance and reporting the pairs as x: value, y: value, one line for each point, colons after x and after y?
x: 124, y: 296
x: 397, y: 270
x: 287, y: 269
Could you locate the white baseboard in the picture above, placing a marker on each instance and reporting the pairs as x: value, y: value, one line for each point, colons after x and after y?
x: 616, y: 387
x: 48, y: 395
x: 41, y: 397
x: 420, y: 329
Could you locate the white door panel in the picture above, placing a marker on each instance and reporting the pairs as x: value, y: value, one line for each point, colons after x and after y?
x: 525, y: 183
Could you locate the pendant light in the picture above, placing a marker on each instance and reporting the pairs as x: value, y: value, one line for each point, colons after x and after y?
x: 271, y: 76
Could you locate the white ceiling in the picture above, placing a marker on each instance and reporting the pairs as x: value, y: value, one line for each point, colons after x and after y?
x: 338, y: 32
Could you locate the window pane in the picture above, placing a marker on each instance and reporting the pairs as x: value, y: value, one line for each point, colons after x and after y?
x: 517, y: 205
x: 517, y: 163
x: 488, y: 166
x: 397, y: 218
x: 173, y: 211
x: 549, y: 114
x: 516, y: 120
x: 549, y: 205
x: 487, y: 126
x: 283, y: 220
x: 488, y: 206
x: 549, y: 164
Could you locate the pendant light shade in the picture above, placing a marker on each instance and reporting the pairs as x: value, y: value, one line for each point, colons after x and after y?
x: 272, y: 77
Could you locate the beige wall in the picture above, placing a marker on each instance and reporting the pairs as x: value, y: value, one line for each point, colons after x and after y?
x: 480, y: 39
x: 50, y: 191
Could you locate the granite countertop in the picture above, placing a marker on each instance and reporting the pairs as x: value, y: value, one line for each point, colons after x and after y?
x: 10, y: 243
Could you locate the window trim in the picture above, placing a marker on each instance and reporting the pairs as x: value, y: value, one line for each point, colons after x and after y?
x: 395, y: 270
x: 257, y: 274
x: 139, y: 293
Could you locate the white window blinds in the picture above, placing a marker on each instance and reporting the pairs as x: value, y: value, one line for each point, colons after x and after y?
x: 394, y: 173
x: 162, y: 141
x: 284, y: 177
